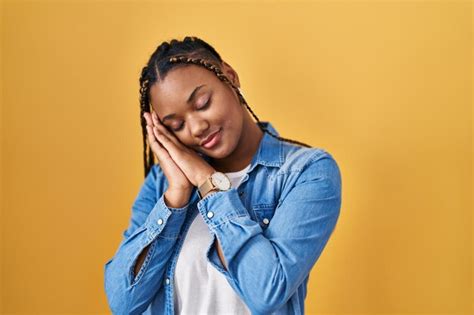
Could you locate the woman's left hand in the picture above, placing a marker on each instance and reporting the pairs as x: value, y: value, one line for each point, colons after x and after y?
x: 193, y: 166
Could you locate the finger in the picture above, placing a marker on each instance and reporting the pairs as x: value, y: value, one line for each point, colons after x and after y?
x: 164, y: 140
x: 163, y: 147
x: 150, y: 129
x: 148, y: 119
x: 174, y: 150
x: 155, y: 118
x: 154, y: 135
x: 162, y: 129
x: 151, y: 138
x: 155, y: 145
x: 170, y: 136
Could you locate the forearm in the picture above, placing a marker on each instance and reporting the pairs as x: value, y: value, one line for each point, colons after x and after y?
x: 173, y: 199
x: 176, y: 198
x: 128, y: 281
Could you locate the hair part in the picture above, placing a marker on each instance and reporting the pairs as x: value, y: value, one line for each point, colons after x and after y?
x: 191, y: 50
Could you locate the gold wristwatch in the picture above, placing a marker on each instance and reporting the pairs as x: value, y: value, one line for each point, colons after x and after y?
x: 216, y: 181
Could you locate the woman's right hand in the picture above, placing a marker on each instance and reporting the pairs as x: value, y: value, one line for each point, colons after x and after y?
x: 179, y: 187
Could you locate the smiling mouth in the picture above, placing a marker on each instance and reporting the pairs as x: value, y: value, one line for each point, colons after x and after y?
x: 212, y: 140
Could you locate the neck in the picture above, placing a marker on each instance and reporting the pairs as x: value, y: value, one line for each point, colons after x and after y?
x: 246, y: 148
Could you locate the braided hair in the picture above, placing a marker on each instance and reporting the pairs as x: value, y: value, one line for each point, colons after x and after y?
x: 191, y: 50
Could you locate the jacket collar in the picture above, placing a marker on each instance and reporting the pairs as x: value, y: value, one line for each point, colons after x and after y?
x: 270, y: 149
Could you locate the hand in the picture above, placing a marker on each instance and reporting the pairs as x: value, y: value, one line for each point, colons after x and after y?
x: 177, y: 180
x: 193, y: 166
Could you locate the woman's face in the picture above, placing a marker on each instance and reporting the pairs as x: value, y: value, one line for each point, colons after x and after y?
x: 193, y: 103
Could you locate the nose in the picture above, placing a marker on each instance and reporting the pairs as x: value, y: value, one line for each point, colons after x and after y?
x: 198, y: 127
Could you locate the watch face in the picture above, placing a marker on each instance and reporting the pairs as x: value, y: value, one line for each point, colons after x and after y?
x: 220, y: 180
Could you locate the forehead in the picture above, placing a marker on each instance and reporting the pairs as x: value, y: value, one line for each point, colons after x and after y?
x: 175, y: 88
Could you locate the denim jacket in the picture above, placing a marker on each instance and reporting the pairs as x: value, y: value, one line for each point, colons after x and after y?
x: 272, y: 229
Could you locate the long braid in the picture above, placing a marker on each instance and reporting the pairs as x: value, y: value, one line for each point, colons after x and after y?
x: 148, y: 157
x: 168, y: 56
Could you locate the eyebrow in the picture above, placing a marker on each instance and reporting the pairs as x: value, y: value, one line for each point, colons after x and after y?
x: 190, y: 99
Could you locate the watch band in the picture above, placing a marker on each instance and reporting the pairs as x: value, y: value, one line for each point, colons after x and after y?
x: 206, y: 187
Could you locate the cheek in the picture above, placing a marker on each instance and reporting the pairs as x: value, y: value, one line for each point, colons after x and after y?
x: 225, y: 105
x: 229, y: 114
x: 233, y: 130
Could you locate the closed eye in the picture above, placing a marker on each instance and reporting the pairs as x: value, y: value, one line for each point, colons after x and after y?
x: 204, y: 107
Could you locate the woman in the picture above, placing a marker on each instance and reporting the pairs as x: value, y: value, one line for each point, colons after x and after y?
x: 234, y: 217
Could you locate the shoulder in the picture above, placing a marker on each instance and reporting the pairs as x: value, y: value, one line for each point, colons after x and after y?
x: 298, y: 158
x: 315, y: 165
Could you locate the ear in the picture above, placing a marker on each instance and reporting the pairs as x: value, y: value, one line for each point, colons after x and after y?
x: 230, y: 73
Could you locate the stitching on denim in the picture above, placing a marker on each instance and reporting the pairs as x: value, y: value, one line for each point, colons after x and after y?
x: 168, y: 237
x: 227, y: 219
x: 260, y: 206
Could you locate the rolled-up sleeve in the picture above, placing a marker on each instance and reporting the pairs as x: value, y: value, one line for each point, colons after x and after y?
x: 266, y: 267
x: 152, y: 224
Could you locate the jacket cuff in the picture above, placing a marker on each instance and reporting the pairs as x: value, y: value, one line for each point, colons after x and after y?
x: 165, y: 221
x: 220, y: 206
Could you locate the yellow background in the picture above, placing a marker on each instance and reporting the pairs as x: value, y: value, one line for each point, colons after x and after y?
x: 385, y: 86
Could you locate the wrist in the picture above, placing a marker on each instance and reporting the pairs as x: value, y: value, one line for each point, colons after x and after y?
x: 203, y: 176
x: 176, y: 198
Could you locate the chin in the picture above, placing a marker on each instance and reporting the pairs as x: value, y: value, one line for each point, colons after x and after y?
x: 216, y: 154
x: 224, y: 151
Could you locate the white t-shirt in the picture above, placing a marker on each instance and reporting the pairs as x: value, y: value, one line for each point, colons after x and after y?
x: 198, y: 287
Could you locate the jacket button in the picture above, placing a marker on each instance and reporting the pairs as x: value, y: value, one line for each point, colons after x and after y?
x: 167, y: 280
x: 210, y: 214
x: 241, y: 193
x: 160, y: 221
x: 266, y: 221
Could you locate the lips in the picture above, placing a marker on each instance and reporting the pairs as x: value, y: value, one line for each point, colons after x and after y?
x: 209, y: 138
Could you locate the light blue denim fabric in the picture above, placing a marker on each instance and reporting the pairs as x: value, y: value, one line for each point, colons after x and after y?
x: 272, y: 230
